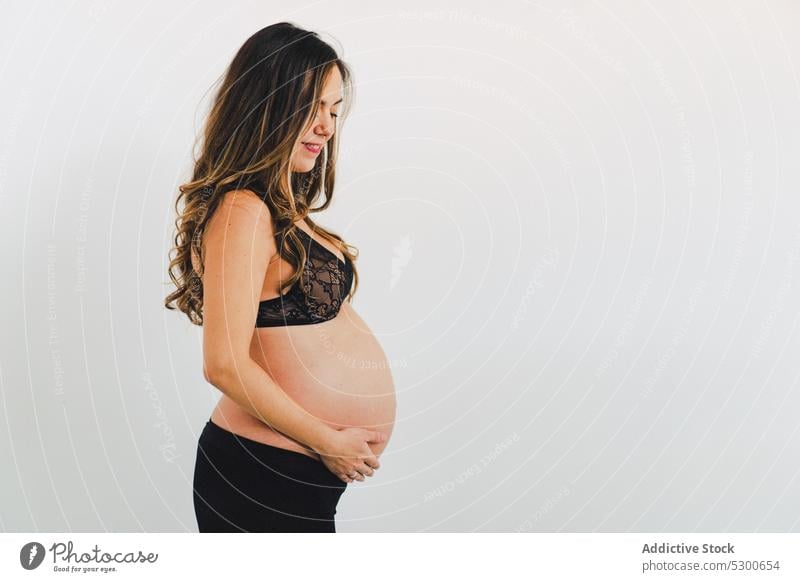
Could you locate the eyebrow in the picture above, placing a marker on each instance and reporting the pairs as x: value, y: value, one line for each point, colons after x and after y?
x: 339, y: 101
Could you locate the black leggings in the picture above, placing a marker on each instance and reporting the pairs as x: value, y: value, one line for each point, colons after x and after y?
x: 241, y: 485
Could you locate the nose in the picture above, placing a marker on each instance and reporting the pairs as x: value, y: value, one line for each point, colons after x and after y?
x: 324, y: 125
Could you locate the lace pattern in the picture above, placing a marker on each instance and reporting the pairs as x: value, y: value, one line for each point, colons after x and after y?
x: 327, y: 281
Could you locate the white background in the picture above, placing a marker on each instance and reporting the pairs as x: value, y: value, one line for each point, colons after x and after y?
x: 579, y: 234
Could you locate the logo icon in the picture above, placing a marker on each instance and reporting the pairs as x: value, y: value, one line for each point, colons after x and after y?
x: 31, y: 555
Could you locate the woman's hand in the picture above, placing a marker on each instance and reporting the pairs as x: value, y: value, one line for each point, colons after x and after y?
x: 348, y: 456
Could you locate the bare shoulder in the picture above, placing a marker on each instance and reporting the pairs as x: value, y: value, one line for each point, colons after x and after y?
x: 242, y: 210
x: 246, y: 201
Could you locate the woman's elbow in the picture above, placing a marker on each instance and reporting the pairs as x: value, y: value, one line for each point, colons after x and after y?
x: 217, y: 373
x: 207, y: 372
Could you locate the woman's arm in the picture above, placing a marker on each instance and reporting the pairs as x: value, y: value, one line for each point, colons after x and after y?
x: 238, y: 243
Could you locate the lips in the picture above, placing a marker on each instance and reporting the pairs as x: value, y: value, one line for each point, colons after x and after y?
x: 312, y: 147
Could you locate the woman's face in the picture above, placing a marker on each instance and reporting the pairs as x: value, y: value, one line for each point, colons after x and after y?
x: 322, y: 126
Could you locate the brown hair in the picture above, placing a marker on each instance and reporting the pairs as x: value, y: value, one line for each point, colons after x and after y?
x: 268, y: 99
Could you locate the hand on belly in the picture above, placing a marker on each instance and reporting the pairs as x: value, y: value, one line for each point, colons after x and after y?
x: 336, y: 370
x: 356, y: 408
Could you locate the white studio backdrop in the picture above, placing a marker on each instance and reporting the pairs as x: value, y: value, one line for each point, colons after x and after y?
x: 579, y: 234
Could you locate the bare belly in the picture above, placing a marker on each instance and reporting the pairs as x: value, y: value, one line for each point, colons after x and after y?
x: 336, y: 370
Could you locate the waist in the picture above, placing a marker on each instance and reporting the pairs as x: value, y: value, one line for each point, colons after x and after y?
x: 231, y: 417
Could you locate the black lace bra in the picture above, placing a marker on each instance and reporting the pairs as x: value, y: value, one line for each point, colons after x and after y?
x: 318, y: 298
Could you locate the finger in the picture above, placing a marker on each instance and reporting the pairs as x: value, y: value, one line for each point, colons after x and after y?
x: 358, y: 475
x: 372, y: 462
x: 376, y: 437
x: 366, y: 470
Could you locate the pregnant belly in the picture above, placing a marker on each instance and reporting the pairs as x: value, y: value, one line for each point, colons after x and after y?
x: 335, y: 370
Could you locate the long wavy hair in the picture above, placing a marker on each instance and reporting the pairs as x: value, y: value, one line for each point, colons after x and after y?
x: 268, y: 99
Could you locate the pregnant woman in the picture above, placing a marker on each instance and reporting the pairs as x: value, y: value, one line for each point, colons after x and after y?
x: 308, y: 401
